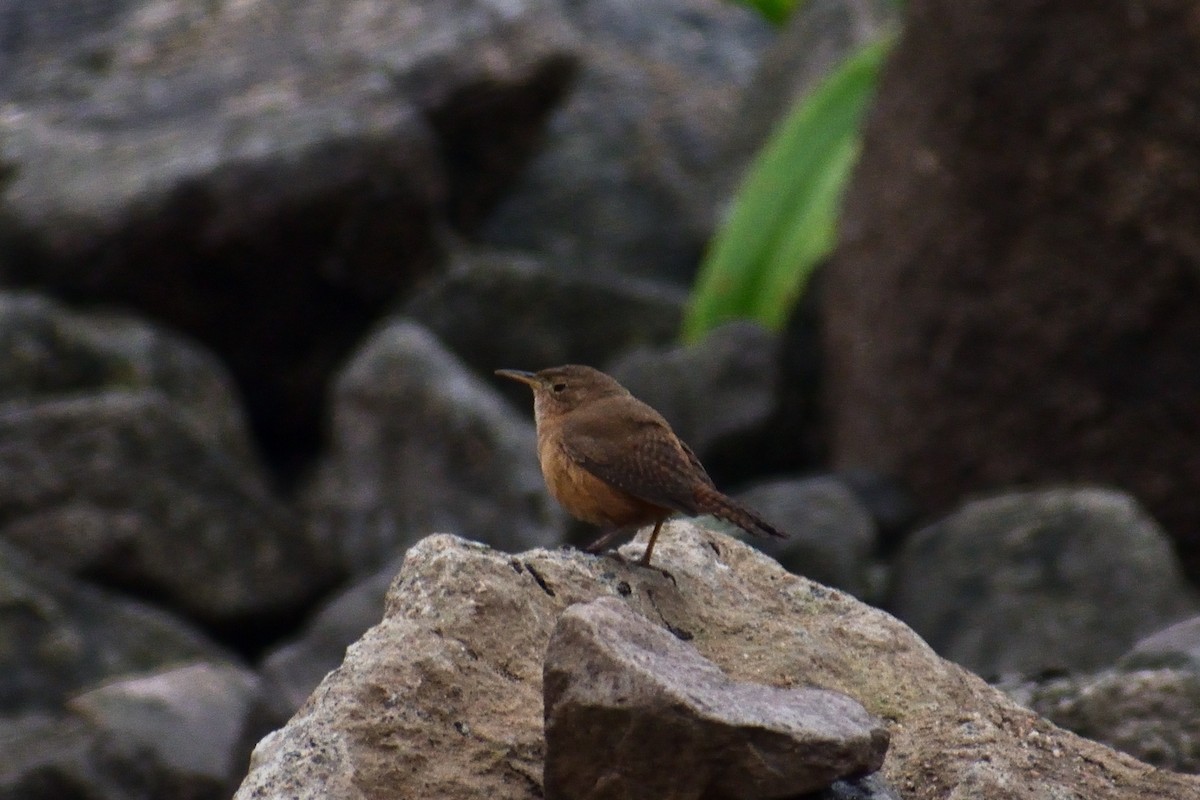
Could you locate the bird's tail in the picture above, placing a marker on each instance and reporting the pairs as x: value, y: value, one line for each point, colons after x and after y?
x: 713, y: 502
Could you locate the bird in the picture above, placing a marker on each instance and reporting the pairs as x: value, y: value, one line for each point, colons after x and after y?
x: 613, y: 461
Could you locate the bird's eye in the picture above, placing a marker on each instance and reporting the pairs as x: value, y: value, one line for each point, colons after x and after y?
x: 559, y: 387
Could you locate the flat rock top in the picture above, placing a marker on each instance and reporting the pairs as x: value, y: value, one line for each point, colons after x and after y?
x: 444, y: 697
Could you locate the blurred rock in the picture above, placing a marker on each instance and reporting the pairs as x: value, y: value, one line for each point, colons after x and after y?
x: 831, y: 538
x: 419, y: 445
x: 48, y: 351
x: 265, y: 176
x: 191, y: 726
x: 443, y: 698
x: 1153, y: 715
x: 124, y: 488
x: 61, y: 635
x: 505, y: 310
x: 62, y: 757
x: 1060, y: 579
x: 1174, y: 647
x: 633, y: 711
x: 292, y: 671
x: 869, y: 787
x: 621, y: 182
x: 718, y: 388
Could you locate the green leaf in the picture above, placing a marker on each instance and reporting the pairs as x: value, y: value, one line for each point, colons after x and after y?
x: 784, y: 218
x: 775, y: 11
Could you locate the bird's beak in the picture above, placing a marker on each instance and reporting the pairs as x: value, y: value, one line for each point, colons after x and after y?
x: 519, y: 375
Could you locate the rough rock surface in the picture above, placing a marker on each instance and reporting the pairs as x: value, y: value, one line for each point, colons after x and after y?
x: 290, y: 672
x: 504, y: 310
x: 1151, y: 714
x: 420, y: 445
x: 1031, y: 582
x: 190, y: 725
x: 444, y: 697
x: 60, y: 635
x: 620, y: 184
x: 265, y: 175
x: 124, y: 488
x: 831, y: 537
x: 633, y: 711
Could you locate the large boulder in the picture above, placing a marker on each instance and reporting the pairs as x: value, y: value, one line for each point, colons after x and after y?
x: 61, y: 635
x: 122, y: 487
x: 265, y: 175
x: 1013, y: 296
x: 419, y: 445
x: 444, y: 697
x: 1032, y: 582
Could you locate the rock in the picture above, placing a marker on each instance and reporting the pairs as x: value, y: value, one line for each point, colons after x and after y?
x: 831, y: 537
x: 268, y: 194
x: 1032, y: 582
x: 1151, y: 714
x: 633, y: 711
x: 621, y: 182
x: 502, y: 310
x: 124, y: 488
x: 62, y: 757
x: 868, y: 787
x: 49, y: 351
x: 999, y: 310
x: 62, y: 635
x: 193, y: 724
x: 443, y: 698
x: 1174, y: 647
x: 292, y: 671
x: 719, y: 388
x: 419, y: 445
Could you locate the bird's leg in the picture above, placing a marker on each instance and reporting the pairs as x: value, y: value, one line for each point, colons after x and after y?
x: 645, y: 559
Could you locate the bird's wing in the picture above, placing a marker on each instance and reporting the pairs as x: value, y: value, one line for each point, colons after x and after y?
x: 641, y: 456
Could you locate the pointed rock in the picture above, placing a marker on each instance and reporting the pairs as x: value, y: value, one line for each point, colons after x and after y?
x: 633, y: 711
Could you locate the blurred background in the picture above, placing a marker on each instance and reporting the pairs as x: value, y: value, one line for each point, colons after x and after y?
x: 916, y: 280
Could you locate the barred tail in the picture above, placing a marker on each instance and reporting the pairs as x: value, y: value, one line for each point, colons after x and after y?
x: 711, y: 501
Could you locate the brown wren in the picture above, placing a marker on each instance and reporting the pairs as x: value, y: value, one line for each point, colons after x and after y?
x: 611, y: 460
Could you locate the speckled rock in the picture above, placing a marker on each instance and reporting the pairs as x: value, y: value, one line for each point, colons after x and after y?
x: 444, y: 697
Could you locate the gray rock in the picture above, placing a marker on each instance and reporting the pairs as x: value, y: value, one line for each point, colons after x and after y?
x: 831, y: 537
x: 266, y: 175
x: 290, y: 672
x: 123, y: 487
x: 192, y: 723
x: 503, y: 310
x: 1174, y: 647
x: 1152, y: 714
x: 1031, y: 582
x: 633, y: 711
x: 419, y: 445
x: 62, y: 635
x: 62, y: 757
x: 620, y: 184
x: 48, y: 351
x: 868, y: 787
x: 443, y: 698
x: 720, y: 387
